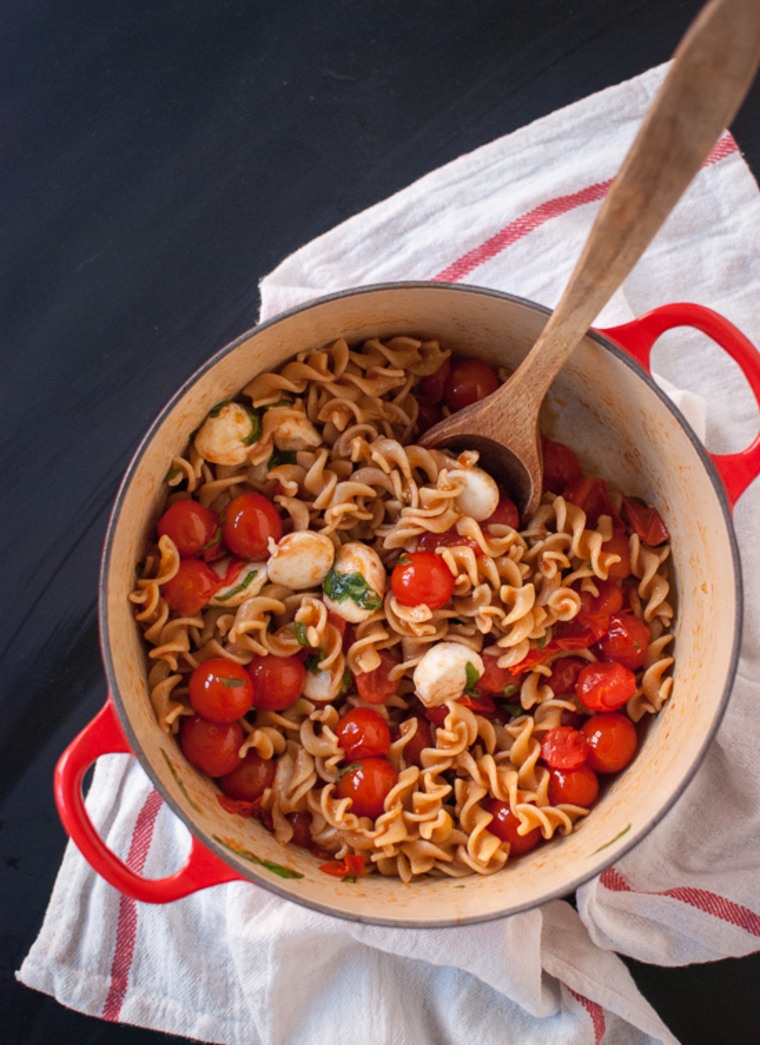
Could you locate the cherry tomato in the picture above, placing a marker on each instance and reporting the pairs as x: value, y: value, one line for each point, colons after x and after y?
x: 221, y: 690
x: 565, y: 672
x: 430, y: 389
x: 470, y: 381
x: 593, y: 496
x: 278, y: 681
x: 367, y: 783
x: 428, y: 542
x: 362, y: 733
x: 597, y: 610
x: 211, y: 747
x: 376, y: 686
x: 193, y: 528
x: 482, y: 704
x: 561, y: 466
x: 494, y: 679
x: 191, y: 587
x: 250, y: 778
x: 422, y: 738
x: 563, y: 748
x: 618, y: 545
x: 575, y: 787
x: 604, y: 686
x: 645, y: 521
x: 422, y: 577
x: 428, y: 414
x: 626, y: 641
x: 437, y: 714
x: 505, y: 514
x: 249, y: 521
x: 505, y: 824
x: 612, y: 741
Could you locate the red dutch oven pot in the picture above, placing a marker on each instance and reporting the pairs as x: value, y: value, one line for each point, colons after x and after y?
x: 604, y: 404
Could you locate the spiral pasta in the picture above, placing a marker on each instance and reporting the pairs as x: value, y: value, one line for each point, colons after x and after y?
x: 467, y: 688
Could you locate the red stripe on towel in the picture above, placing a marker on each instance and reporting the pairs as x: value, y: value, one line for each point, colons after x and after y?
x: 702, y: 899
x: 544, y: 212
x: 595, y: 1011
x: 126, y: 926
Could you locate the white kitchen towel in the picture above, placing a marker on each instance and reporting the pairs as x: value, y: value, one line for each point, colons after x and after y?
x: 237, y: 965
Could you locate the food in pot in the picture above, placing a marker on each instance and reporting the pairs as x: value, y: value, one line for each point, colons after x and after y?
x: 363, y: 644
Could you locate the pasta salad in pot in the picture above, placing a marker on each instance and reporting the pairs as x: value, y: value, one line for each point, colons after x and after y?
x: 364, y: 646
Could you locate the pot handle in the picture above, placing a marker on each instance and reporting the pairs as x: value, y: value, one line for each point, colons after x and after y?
x: 738, y: 470
x: 104, y: 735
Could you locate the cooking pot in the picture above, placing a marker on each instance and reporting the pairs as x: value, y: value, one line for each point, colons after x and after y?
x: 606, y: 406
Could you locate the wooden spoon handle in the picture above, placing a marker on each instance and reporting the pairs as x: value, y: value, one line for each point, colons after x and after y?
x: 712, y: 70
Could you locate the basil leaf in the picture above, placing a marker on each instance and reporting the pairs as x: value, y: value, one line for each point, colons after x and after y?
x: 472, y: 677
x: 300, y: 629
x: 280, y: 402
x: 345, y: 682
x: 342, y: 586
x: 255, y: 427
x: 238, y: 587
x: 404, y: 559
x: 511, y: 689
x: 312, y: 662
x: 514, y: 710
x: 281, y: 457
x: 232, y: 683
x: 214, y: 540
x: 543, y: 640
x: 216, y: 410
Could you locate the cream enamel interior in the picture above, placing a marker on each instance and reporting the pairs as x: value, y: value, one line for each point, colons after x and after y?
x: 622, y: 429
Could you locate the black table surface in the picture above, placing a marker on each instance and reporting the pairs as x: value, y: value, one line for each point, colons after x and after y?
x: 158, y: 159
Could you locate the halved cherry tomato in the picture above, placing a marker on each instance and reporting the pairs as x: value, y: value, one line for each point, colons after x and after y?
x: 363, y: 733
x: 192, y: 527
x: 250, y: 778
x: 482, y: 704
x: 367, y: 783
x: 211, y: 747
x: 626, y: 641
x: 645, y: 521
x: 376, y: 686
x: 351, y: 866
x: 612, y: 741
x: 470, y: 381
x: 249, y: 521
x: 428, y: 542
x: 430, y: 388
x: 597, y: 610
x: 221, y: 690
x: 561, y: 466
x: 592, y: 495
x: 422, y: 738
x: 565, y: 672
x: 505, y: 514
x: 604, y: 686
x: 191, y: 587
x: 563, y: 748
x: 422, y: 578
x: 575, y: 787
x: 618, y: 545
x: 278, y: 681
x: 505, y: 826
x: 428, y: 414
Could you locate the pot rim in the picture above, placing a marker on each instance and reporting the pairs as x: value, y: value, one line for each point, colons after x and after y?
x: 617, y: 851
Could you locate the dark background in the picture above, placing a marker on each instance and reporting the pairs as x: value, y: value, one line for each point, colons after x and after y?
x: 158, y: 159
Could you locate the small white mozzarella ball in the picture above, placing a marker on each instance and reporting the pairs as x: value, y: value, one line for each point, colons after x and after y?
x: 301, y: 560
x: 441, y: 675
x: 247, y: 581
x: 480, y: 495
x: 323, y: 686
x: 225, y: 437
x: 356, y: 559
x: 296, y: 432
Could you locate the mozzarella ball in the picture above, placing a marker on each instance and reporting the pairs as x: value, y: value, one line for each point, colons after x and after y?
x: 301, y: 560
x: 480, y: 494
x: 356, y: 560
x: 225, y: 437
x: 324, y: 686
x: 441, y: 675
x: 244, y: 582
x: 294, y: 431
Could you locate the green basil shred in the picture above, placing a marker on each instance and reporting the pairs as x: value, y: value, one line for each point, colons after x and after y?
x: 472, y: 677
x: 342, y: 586
x: 238, y: 587
x: 300, y: 629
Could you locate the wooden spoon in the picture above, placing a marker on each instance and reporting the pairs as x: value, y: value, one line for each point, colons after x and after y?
x: 712, y: 70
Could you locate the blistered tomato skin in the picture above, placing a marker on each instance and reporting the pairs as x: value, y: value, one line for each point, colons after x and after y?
x: 249, y: 522
x: 612, y: 742
x: 278, y: 681
x: 191, y: 588
x: 561, y: 466
x: 469, y: 381
x: 363, y: 733
x: 211, y: 747
x: 367, y: 783
x: 250, y: 778
x: 221, y: 690
x: 575, y: 787
x: 376, y: 686
x: 422, y: 578
x: 605, y: 686
x: 505, y: 826
x: 626, y: 641
x: 564, y: 748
